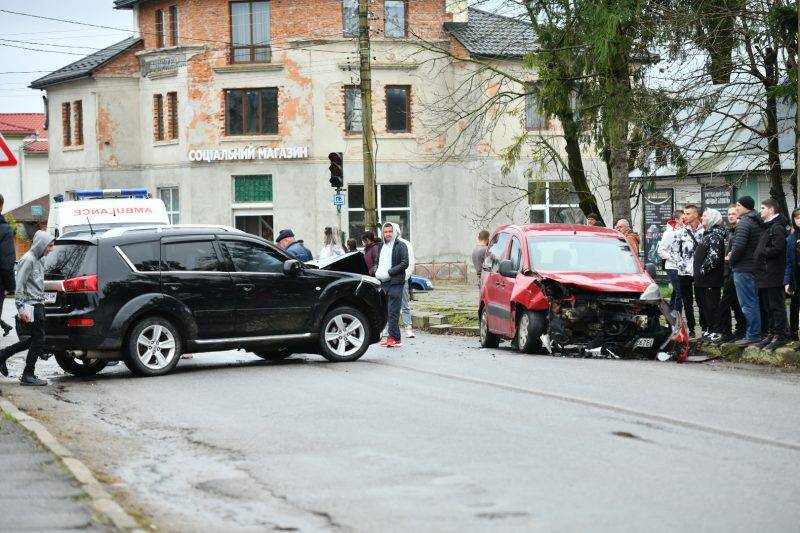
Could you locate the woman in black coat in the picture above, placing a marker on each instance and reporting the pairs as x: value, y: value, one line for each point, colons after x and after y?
x: 709, y: 268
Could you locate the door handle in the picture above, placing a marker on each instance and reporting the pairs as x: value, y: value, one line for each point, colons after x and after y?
x: 172, y: 286
x: 246, y: 287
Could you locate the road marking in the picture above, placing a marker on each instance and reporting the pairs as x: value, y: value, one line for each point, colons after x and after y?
x: 605, y: 406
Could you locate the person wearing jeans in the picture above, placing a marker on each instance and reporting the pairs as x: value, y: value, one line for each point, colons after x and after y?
x: 742, y: 261
x: 391, y: 271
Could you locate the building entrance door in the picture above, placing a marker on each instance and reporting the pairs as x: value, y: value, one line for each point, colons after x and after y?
x: 260, y: 225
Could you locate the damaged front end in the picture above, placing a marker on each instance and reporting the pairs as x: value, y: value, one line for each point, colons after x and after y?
x: 583, y: 323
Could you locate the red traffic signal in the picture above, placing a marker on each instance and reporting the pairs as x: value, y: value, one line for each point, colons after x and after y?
x: 337, y: 169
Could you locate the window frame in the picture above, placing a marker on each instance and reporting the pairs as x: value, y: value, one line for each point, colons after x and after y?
x: 172, y: 131
x: 253, y: 202
x: 77, y: 123
x: 492, y: 262
x: 405, y: 21
x: 408, y: 107
x: 251, y: 47
x: 174, y: 35
x: 174, y: 215
x: 66, y: 123
x: 158, y: 117
x: 160, y: 29
x: 228, y: 257
x: 348, y: 88
x: 546, y: 206
x: 344, y: 20
x: 380, y: 209
x: 542, y: 118
x: 245, y: 116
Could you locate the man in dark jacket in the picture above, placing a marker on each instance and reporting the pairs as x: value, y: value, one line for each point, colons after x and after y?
x: 742, y: 261
x: 371, y: 248
x: 770, y: 266
x: 391, y: 271
x: 723, y: 326
x: 288, y: 244
x: 709, y: 267
x: 7, y: 258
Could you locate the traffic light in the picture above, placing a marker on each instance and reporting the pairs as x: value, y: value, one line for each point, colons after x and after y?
x: 337, y: 169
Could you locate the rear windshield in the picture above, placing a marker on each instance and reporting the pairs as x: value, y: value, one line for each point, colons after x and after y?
x: 582, y: 254
x: 70, y: 260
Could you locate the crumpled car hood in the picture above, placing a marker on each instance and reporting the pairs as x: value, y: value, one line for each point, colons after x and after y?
x: 600, y: 282
x: 352, y: 262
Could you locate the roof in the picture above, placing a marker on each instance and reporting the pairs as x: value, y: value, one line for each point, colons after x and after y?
x: 490, y: 35
x: 84, y: 67
x: 23, y: 212
x: 125, y: 4
x: 563, y: 229
x: 36, y: 147
x: 22, y: 124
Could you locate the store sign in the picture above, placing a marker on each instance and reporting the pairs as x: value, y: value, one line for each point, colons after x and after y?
x: 719, y: 198
x: 248, y: 153
x: 37, y: 210
x: 659, y: 205
x: 162, y: 64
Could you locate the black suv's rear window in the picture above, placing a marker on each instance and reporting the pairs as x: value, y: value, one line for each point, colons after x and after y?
x: 143, y: 255
x: 70, y: 260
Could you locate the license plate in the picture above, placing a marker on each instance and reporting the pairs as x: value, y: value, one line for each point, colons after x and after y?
x: 50, y: 297
x: 644, y: 343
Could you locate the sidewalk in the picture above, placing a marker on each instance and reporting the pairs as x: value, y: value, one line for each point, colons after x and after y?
x: 449, y: 308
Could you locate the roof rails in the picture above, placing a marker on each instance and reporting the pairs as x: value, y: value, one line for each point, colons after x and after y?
x: 161, y: 228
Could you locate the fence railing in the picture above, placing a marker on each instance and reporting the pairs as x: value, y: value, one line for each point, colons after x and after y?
x: 443, y: 271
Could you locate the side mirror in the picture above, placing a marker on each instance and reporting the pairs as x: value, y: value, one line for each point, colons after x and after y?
x: 292, y: 267
x: 506, y: 269
x: 650, y: 268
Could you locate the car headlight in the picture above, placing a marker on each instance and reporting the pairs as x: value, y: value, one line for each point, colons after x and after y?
x: 652, y: 292
x: 370, y: 279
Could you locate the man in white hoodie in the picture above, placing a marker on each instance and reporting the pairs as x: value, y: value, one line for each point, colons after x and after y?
x: 405, y: 308
x: 391, y: 271
x: 669, y: 250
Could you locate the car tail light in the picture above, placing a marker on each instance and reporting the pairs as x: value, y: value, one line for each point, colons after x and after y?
x: 80, y: 322
x: 81, y: 284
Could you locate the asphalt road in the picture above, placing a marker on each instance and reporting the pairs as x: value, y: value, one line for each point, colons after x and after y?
x: 438, y: 436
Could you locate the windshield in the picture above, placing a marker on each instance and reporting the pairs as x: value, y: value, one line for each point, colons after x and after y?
x: 582, y: 254
x: 70, y: 260
x: 84, y: 229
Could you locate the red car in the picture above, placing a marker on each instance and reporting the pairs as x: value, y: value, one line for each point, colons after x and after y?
x: 574, y: 290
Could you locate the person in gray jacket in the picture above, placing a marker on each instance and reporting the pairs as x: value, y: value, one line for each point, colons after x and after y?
x: 30, y: 294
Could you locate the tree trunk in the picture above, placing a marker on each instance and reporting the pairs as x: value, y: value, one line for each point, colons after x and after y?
x: 773, y: 150
x: 577, y: 174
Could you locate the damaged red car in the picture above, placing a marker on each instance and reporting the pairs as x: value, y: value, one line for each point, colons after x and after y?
x: 574, y: 291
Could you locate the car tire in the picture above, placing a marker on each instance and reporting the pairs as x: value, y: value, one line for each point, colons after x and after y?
x: 487, y: 338
x: 530, y: 328
x: 79, y: 367
x: 278, y: 354
x: 344, y: 335
x: 147, y: 334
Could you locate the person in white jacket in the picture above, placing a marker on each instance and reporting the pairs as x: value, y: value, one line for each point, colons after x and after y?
x: 405, y: 307
x: 331, y: 246
x: 669, y: 251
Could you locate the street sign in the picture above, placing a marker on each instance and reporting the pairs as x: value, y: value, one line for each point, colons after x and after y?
x: 9, y: 160
x: 36, y: 210
x: 338, y: 199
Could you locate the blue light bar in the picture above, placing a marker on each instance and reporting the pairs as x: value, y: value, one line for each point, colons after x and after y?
x: 112, y: 193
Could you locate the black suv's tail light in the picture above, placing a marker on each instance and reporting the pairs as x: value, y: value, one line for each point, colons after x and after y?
x: 80, y: 322
x: 81, y: 284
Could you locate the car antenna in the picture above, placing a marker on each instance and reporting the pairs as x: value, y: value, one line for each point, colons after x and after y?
x: 91, y: 229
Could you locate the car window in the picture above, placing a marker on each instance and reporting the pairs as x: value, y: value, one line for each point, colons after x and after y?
x: 250, y: 257
x: 582, y: 254
x: 516, y: 254
x: 497, y: 250
x: 196, y: 256
x: 69, y: 260
x: 143, y: 255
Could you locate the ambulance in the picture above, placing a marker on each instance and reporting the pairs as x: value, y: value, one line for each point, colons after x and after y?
x: 95, y: 211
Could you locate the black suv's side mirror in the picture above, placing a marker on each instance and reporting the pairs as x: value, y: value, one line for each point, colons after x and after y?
x: 292, y: 267
x: 506, y: 269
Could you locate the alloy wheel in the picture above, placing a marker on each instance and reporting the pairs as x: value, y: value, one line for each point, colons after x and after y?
x: 344, y: 335
x: 155, y: 347
x: 484, y: 329
x: 522, y: 334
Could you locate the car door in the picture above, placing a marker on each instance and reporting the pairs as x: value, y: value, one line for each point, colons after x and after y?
x: 506, y: 286
x: 269, y: 302
x: 495, y: 314
x: 192, y: 271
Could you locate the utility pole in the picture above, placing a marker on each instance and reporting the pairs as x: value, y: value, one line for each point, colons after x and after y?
x: 370, y: 188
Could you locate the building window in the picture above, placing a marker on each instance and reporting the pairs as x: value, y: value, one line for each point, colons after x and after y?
x: 352, y: 109
x: 252, y: 189
x: 173, y: 25
x: 172, y: 115
x: 159, y: 28
x: 251, y: 111
x: 158, y: 117
x: 77, y: 113
x: 393, y: 206
x: 172, y: 200
x: 250, y: 32
x: 534, y: 120
x: 66, y: 123
x: 398, y: 108
x: 553, y: 202
x: 395, y: 18
x: 350, y: 15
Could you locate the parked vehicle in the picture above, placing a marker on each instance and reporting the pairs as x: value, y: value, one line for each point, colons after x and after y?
x: 420, y: 283
x: 100, y: 210
x: 574, y: 290
x: 147, y: 294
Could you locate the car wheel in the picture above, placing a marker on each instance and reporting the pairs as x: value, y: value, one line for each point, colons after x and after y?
x: 154, y: 347
x: 80, y: 367
x: 278, y: 354
x: 345, y: 335
x: 529, y: 331
x: 488, y: 339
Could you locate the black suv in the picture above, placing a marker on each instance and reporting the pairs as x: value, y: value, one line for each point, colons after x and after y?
x: 145, y: 295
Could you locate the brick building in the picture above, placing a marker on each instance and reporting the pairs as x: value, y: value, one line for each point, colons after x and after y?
x: 229, y: 108
x: 26, y: 137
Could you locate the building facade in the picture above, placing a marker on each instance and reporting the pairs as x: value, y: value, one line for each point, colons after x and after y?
x: 228, y: 109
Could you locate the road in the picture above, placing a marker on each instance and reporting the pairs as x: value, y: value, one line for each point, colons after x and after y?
x: 438, y: 436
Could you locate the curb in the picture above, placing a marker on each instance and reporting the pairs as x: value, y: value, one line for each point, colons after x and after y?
x: 101, y: 501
